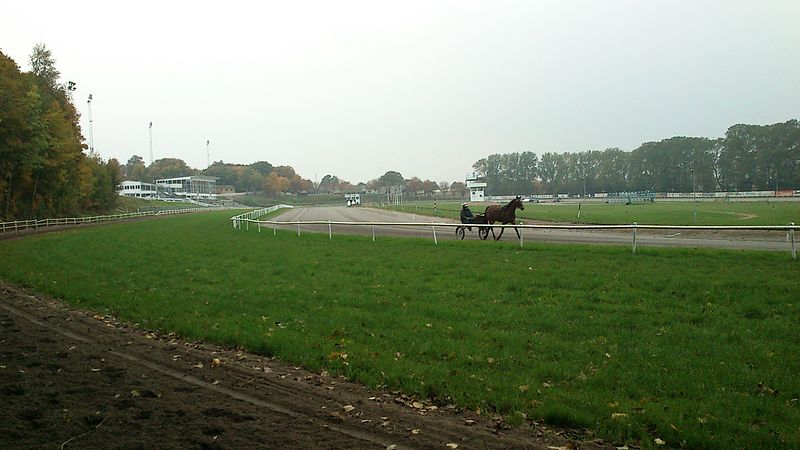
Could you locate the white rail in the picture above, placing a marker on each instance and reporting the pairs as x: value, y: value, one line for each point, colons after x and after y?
x: 790, y: 228
x: 251, y: 216
x: 19, y: 225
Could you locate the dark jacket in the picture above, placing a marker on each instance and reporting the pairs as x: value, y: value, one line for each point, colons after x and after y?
x: 466, y: 215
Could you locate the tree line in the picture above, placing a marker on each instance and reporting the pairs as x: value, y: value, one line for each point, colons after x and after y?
x: 44, y: 171
x: 261, y: 176
x: 747, y: 158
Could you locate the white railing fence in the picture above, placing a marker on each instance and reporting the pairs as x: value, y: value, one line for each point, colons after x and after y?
x: 19, y: 225
x: 238, y: 220
x: 252, y: 216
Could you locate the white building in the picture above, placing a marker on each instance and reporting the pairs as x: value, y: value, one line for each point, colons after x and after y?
x: 477, y: 187
x: 195, y: 187
x: 137, y: 189
x: 352, y: 199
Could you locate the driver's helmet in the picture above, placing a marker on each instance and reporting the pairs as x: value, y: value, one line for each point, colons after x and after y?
x: 465, y: 205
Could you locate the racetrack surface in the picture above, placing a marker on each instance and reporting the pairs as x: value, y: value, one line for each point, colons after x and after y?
x: 741, y: 240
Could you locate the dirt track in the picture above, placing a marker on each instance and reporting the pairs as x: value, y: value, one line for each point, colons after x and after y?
x: 741, y: 240
x: 71, y: 379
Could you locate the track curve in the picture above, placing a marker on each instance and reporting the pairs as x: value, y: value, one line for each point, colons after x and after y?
x: 762, y: 240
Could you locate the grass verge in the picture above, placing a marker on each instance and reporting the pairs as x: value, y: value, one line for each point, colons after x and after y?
x: 694, y: 347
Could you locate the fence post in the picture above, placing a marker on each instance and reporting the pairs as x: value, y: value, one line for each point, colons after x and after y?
x: 274, y: 228
x: 330, y: 230
x: 791, y: 235
x: 373, y: 231
x: 247, y: 225
x: 521, y: 236
x: 298, y: 228
x: 634, y: 237
x: 435, y: 242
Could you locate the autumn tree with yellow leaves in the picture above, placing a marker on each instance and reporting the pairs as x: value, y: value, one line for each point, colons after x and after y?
x: 44, y: 171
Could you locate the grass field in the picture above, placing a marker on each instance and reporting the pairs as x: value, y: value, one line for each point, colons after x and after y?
x: 134, y: 204
x: 658, y: 213
x: 694, y: 347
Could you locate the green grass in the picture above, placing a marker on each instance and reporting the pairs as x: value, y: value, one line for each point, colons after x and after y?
x: 695, y: 347
x: 658, y: 213
x: 133, y: 204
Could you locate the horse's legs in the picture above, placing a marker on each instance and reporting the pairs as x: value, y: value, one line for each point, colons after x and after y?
x: 518, y: 236
x: 501, y: 234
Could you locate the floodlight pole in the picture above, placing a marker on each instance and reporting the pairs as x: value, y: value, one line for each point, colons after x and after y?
x: 583, y: 178
x: 776, y: 181
x: 91, y: 131
x: 151, y: 143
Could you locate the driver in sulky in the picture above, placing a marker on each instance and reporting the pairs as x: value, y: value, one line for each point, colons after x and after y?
x: 466, y: 214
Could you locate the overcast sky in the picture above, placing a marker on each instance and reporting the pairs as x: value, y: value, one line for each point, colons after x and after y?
x: 356, y: 88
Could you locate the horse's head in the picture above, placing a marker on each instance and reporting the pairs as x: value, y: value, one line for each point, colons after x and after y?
x: 517, y: 202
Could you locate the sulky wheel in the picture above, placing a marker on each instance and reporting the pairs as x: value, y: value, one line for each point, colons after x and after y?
x: 483, y: 233
x: 460, y: 232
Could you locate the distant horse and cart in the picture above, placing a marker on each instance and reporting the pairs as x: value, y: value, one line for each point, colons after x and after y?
x: 493, y: 214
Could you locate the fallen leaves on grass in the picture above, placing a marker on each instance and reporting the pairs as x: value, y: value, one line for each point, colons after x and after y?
x: 337, y: 355
x: 762, y: 389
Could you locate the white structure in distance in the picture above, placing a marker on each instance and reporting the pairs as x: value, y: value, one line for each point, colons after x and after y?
x: 352, y: 199
x: 137, y: 189
x: 197, y: 187
x: 477, y: 187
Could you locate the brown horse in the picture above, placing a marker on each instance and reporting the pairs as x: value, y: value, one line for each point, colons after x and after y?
x: 504, y: 215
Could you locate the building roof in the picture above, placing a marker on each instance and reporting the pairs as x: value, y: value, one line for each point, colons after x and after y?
x: 192, y: 177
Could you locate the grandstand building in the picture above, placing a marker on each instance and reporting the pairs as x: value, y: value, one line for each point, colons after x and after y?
x: 137, y: 189
x: 197, y: 187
